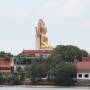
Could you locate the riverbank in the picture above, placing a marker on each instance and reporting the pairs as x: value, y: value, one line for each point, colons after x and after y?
x: 44, y: 86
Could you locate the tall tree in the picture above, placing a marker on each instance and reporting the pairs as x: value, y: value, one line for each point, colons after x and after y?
x: 68, y: 53
x: 64, y: 73
x: 36, y: 71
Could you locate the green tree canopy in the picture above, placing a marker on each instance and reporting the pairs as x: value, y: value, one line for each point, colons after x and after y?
x: 5, y: 54
x: 36, y: 70
x: 68, y: 53
x: 64, y: 73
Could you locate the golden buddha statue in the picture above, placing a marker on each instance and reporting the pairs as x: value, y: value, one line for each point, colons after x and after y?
x: 41, y: 36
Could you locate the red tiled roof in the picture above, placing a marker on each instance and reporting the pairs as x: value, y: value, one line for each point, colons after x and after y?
x: 86, y: 59
x: 5, y: 63
x: 84, y: 65
x: 33, y: 52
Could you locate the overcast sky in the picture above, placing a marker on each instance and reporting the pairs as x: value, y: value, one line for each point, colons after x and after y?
x: 67, y: 21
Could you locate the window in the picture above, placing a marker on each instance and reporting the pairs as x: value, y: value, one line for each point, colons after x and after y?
x: 80, y: 75
x: 6, y: 68
x: 44, y: 56
x: 86, y: 75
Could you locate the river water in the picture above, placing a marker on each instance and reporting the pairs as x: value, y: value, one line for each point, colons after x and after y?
x: 42, y: 88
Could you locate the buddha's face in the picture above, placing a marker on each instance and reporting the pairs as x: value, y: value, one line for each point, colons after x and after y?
x: 41, y: 26
x: 41, y: 23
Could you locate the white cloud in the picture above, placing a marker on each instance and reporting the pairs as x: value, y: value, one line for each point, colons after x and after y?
x: 21, y: 13
x: 52, y: 4
x: 75, y: 7
x: 85, y: 24
x: 51, y: 8
x: 66, y: 7
x: 14, y: 12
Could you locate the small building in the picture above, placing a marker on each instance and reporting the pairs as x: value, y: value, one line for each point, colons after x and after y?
x: 83, y: 71
x: 6, y: 65
x: 30, y: 53
x: 36, y: 55
x: 26, y: 57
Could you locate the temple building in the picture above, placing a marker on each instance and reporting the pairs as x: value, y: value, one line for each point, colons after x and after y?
x: 36, y: 54
x: 43, y: 49
x: 83, y: 71
x: 6, y: 65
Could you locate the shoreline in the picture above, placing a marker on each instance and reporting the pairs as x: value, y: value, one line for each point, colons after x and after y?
x: 45, y: 86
